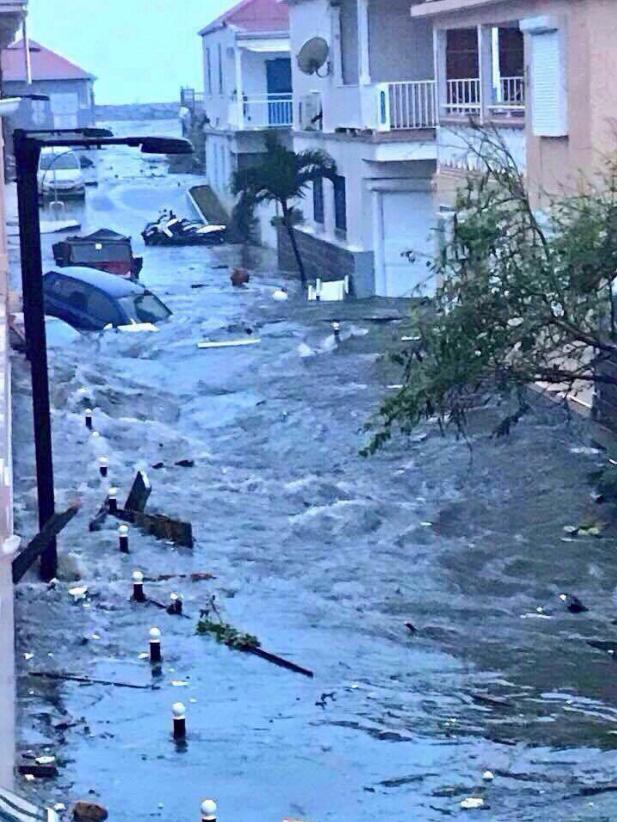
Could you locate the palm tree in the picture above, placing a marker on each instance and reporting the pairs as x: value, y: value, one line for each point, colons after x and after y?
x: 282, y: 176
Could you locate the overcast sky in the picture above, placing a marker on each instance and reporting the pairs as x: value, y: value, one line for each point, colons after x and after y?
x: 140, y: 50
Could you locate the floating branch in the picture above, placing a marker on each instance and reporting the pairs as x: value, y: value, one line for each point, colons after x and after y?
x: 87, y: 680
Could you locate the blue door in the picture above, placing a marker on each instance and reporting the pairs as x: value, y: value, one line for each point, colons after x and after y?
x: 278, y: 78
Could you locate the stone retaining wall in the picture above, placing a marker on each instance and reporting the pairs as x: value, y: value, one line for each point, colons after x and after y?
x: 327, y: 261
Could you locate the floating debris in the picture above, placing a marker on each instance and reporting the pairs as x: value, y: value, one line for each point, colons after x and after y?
x: 472, y: 803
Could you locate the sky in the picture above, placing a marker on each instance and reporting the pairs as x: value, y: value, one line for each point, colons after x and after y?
x: 141, y: 51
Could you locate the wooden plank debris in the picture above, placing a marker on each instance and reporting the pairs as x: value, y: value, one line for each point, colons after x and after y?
x: 139, y: 493
x: 228, y: 343
x: 160, y: 526
x: 33, y: 550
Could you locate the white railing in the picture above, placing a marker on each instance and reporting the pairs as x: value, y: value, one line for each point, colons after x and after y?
x: 463, y: 96
x: 266, y: 111
x: 510, y: 94
x: 407, y: 105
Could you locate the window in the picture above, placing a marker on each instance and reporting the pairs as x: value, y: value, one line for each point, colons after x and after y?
x: 208, y: 71
x: 340, y: 204
x: 63, y: 161
x: 220, y: 54
x: 102, y: 309
x: 144, y: 308
x: 318, y: 204
x: 549, y: 93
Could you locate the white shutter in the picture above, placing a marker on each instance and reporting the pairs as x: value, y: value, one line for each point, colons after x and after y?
x: 548, y: 85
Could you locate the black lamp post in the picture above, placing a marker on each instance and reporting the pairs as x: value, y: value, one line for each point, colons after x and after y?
x: 27, y: 146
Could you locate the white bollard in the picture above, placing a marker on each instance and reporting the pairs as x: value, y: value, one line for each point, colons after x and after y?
x: 208, y: 810
x: 179, y: 717
x: 155, y: 645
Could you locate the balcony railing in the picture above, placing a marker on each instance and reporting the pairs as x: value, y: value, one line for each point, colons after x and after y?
x: 463, y: 96
x: 408, y: 105
x: 266, y: 111
x: 509, y: 96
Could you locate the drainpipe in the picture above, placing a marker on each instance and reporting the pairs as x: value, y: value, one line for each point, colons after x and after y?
x: 27, y: 60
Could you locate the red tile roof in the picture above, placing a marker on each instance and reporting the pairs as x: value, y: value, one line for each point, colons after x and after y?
x: 253, y: 16
x: 46, y: 64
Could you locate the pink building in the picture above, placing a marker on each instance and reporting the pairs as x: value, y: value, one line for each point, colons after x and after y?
x: 538, y: 71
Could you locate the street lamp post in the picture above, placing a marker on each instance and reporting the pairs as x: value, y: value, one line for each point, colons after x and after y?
x: 27, y: 146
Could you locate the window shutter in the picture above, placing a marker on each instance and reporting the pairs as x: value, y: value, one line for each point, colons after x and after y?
x: 548, y: 85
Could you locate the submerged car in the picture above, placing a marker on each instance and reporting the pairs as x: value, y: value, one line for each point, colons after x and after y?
x: 104, y: 249
x: 60, y: 173
x: 92, y: 300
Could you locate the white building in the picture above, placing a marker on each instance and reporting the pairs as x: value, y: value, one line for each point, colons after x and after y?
x: 247, y: 90
x: 371, y: 107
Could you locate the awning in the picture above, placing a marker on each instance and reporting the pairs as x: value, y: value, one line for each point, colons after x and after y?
x: 14, y: 808
x: 265, y: 46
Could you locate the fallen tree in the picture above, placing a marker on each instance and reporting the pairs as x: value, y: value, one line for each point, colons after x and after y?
x: 522, y: 297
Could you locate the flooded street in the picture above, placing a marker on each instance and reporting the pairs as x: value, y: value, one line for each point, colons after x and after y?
x: 320, y: 553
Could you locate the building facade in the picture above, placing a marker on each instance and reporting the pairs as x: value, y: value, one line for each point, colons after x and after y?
x: 537, y: 73
x: 69, y: 88
x: 247, y: 90
x: 371, y: 107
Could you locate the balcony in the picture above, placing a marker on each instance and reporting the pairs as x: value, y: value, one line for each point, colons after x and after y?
x: 265, y: 111
x: 407, y: 106
x: 464, y: 98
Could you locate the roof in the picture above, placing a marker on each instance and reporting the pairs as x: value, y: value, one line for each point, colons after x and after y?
x: 111, y: 284
x: 253, y: 16
x: 46, y: 64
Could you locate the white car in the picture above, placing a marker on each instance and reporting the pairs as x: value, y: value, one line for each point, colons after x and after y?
x: 60, y: 174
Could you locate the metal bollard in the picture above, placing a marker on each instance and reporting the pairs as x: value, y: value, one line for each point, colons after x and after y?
x: 155, y: 646
x: 175, y: 604
x: 112, y: 500
x: 103, y: 466
x: 138, y: 586
x: 123, y: 539
x: 88, y: 418
x: 336, y: 328
x: 179, y: 714
x: 208, y: 810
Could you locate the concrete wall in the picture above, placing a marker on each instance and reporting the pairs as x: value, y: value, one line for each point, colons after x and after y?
x: 217, y: 103
x: 400, y: 48
x: 397, y: 33
x: 326, y: 260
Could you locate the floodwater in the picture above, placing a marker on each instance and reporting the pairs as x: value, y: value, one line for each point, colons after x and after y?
x: 323, y: 555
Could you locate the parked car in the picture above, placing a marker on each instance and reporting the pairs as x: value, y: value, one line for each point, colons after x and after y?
x: 103, y: 249
x: 91, y: 300
x: 60, y: 174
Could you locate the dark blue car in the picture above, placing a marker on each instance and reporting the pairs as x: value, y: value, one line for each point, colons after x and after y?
x: 90, y: 299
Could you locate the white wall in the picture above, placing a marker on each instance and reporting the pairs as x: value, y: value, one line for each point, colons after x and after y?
x: 400, y: 48
x: 217, y: 104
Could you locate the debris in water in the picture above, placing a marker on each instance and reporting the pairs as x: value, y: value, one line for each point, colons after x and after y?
x: 573, y: 603
x: 185, y: 463
x: 79, y: 593
x: 84, y: 811
x: 488, y: 776
x: 228, y: 343
x: 87, y: 680
x: 472, y: 803
x: 280, y: 294
x: 411, y: 628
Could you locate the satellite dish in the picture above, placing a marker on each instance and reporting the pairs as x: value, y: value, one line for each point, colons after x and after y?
x: 313, y: 55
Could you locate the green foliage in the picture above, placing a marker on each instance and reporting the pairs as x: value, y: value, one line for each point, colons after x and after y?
x: 211, y: 623
x: 281, y: 176
x: 226, y: 634
x: 521, y: 298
